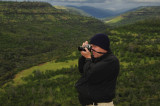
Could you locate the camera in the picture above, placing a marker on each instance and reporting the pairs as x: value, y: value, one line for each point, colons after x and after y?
x: 82, y: 48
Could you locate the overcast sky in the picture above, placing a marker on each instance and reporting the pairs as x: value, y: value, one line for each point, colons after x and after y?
x: 105, y: 4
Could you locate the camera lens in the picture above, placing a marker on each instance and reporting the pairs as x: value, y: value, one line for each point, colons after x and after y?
x: 80, y: 48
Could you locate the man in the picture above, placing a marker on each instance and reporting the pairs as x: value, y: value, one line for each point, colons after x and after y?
x: 99, y: 72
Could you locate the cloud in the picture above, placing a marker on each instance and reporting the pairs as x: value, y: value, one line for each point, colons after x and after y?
x: 146, y: 1
x: 79, y: 1
x: 102, y: 1
x: 115, y: 5
x: 135, y: 0
x: 93, y: 1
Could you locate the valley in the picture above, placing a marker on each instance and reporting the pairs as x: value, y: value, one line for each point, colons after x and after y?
x: 38, y: 58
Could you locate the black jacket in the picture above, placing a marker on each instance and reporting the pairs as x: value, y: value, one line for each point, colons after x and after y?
x: 98, y: 80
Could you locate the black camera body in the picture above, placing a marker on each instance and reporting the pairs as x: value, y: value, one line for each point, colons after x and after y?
x: 82, y: 48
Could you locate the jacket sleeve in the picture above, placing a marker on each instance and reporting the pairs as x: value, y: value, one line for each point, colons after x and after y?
x: 100, y: 71
x: 81, y: 63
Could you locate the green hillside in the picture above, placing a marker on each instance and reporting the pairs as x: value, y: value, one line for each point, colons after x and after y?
x: 131, y: 17
x: 32, y: 33
x: 138, y: 81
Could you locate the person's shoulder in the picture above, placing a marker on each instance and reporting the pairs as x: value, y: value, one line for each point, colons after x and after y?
x: 111, y: 57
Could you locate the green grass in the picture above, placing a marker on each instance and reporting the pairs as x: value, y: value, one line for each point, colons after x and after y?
x: 115, y: 20
x: 43, y: 67
x: 60, y: 7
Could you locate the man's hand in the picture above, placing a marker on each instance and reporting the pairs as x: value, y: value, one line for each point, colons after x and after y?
x: 85, y: 43
x: 87, y: 53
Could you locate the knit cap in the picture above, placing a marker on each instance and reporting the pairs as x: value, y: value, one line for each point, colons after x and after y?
x: 101, y: 40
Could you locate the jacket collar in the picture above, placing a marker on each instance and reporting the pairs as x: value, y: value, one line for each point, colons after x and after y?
x: 100, y: 58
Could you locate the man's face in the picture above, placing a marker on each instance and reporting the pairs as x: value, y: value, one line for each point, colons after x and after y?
x: 98, y: 49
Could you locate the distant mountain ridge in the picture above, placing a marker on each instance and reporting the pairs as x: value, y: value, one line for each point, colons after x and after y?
x: 96, y: 12
x: 139, y: 14
x: 72, y: 10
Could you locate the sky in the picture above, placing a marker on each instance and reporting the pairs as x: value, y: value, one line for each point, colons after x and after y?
x: 113, y: 5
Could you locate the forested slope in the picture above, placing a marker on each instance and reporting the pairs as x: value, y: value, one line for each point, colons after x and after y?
x: 33, y: 32
x: 138, y: 48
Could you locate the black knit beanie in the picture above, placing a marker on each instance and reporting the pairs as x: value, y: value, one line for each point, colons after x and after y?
x: 101, y: 40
